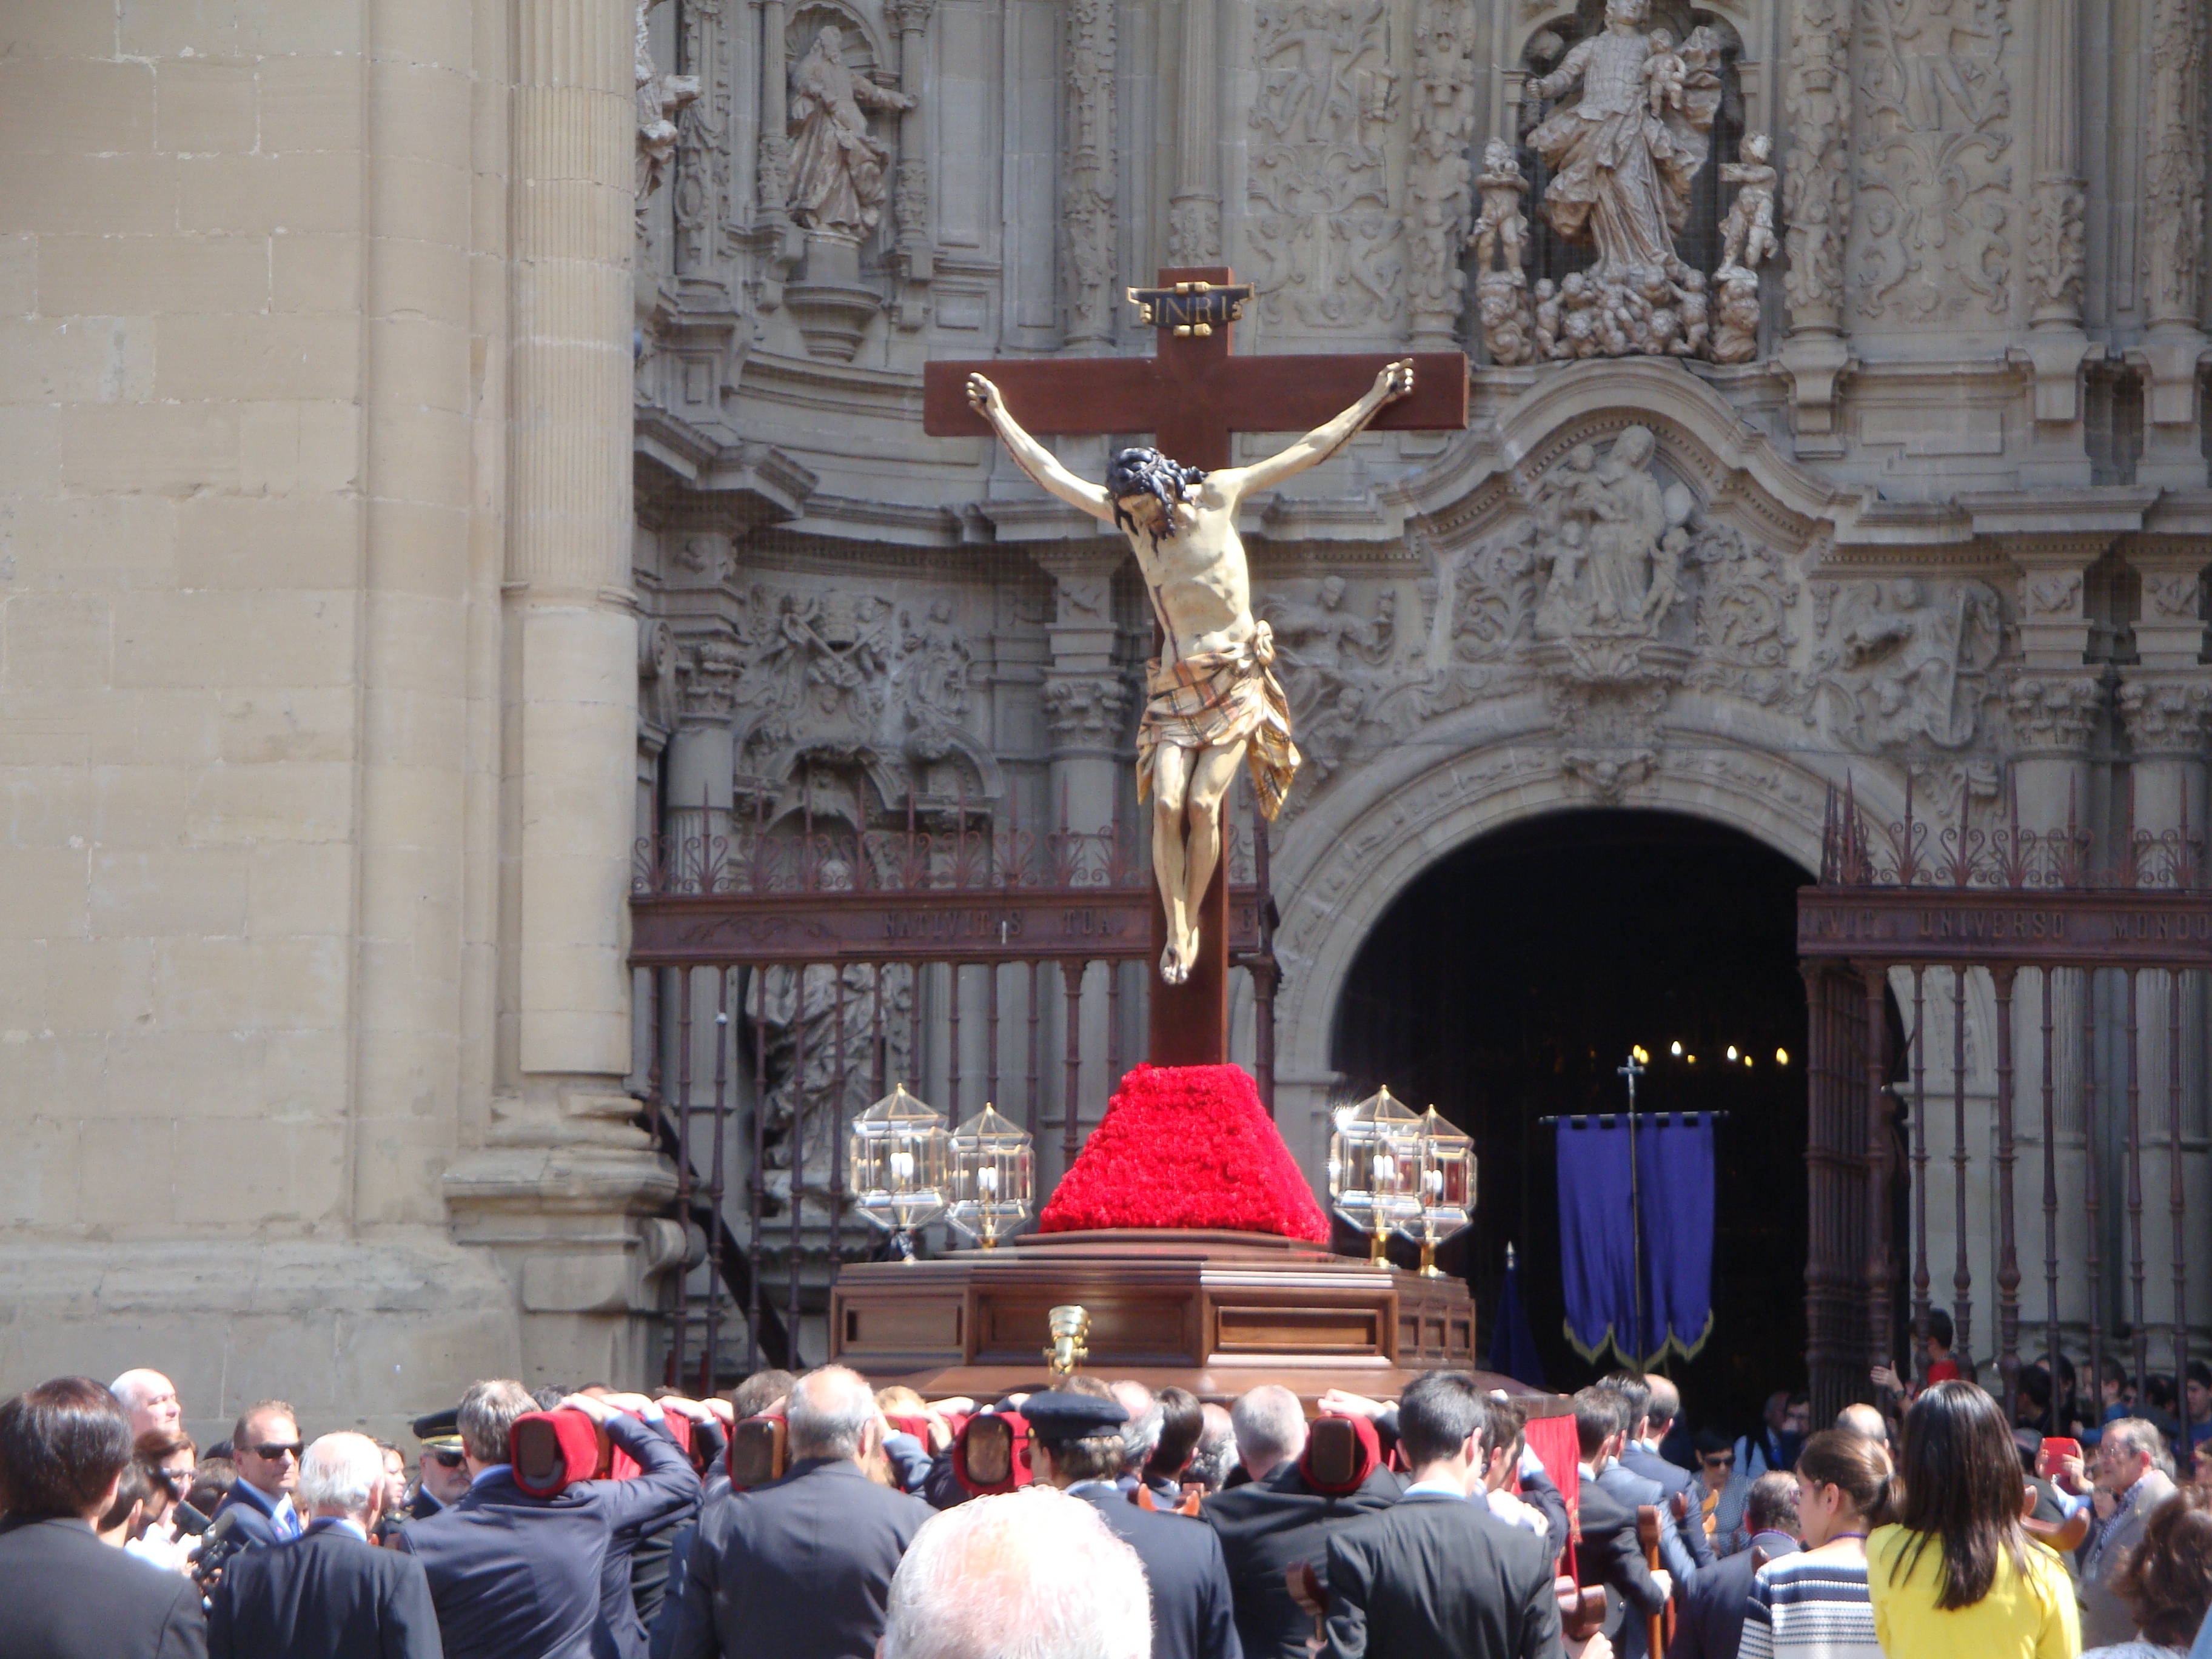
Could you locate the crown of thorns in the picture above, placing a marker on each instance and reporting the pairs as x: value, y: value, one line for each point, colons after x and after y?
x: 1148, y: 472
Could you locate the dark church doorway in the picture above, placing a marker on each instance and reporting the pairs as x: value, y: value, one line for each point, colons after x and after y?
x: 1509, y: 981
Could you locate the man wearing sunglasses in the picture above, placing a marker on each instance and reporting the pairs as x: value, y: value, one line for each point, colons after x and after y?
x: 442, y: 1473
x: 265, y: 1446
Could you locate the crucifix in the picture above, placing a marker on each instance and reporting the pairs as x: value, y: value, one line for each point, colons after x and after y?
x: 1633, y: 1070
x: 1213, y: 703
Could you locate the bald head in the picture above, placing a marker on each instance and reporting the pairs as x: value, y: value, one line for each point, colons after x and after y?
x: 1140, y: 1436
x: 151, y: 1399
x: 1865, y: 1422
x: 831, y: 1413
x: 1665, y: 1405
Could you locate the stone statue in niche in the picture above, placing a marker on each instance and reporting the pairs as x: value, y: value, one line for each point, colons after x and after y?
x: 1614, y: 539
x: 836, y: 167
x: 1623, y: 155
x: 819, y: 1026
x: 935, y: 666
x: 660, y: 100
x: 1502, y: 229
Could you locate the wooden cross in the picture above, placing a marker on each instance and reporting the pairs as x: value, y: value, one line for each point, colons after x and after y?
x: 1193, y: 397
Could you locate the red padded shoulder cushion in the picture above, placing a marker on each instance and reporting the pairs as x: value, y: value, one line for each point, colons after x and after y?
x: 551, y: 1451
x: 1340, y: 1453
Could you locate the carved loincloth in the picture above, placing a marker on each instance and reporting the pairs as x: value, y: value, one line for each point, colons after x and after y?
x: 1216, y: 698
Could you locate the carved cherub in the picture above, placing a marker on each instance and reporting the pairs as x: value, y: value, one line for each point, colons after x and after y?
x: 1665, y: 74
x: 1735, y: 329
x: 1547, y: 319
x: 1505, y: 318
x: 1581, y: 311
x: 1747, y: 238
x: 1697, y: 323
x: 1501, y: 222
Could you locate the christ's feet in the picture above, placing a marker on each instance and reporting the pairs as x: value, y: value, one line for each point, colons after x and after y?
x: 1179, y: 957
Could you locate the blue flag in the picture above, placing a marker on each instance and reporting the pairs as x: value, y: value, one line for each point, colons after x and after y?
x: 1512, y: 1344
x: 1660, y: 1218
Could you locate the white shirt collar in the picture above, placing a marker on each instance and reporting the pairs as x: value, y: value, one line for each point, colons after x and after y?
x: 1441, y: 1487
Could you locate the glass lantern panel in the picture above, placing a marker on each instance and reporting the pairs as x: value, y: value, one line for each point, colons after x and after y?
x: 1447, y: 1180
x: 897, y: 1154
x: 1374, y: 1162
x: 993, y: 1176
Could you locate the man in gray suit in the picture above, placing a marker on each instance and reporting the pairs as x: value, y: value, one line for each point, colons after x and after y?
x: 801, y: 1568
x: 2132, y: 1467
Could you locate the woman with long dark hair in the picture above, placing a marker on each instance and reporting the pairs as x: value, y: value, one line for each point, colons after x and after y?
x: 1956, y: 1573
x: 1813, y: 1605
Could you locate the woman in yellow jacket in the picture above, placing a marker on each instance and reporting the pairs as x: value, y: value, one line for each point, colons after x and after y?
x: 1957, y: 1575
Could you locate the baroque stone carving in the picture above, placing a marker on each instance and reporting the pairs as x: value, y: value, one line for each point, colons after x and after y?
x: 1501, y: 234
x: 1933, y: 142
x: 1901, y: 665
x: 2168, y: 716
x: 934, y: 672
x: 1437, y: 170
x: 1622, y: 156
x: 2057, y: 243
x: 839, y: 675
x: 2173, y: 176
x: 837, y: 177
x: 1088, y: 186
x: 1748, y: 237
x: 1087, y: 711
x: 2054, y: 713
x: 1816, y: 194
x: 818, y: 1028
x: 1332, y: 663
x: 2174, y: 598
x: 660, y: 100
x: 1323, y: 223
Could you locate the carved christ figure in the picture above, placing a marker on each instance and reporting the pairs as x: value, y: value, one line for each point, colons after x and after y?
x: 1213, y: 701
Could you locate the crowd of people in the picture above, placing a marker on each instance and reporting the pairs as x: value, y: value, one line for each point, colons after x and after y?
x: 817, y: 1517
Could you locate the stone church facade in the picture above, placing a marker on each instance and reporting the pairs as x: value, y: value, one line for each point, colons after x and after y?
x: 450, y: 444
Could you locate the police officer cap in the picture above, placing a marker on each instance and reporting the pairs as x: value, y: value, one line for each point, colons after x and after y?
x: 1072, y: 1416
x: 440, y: 1430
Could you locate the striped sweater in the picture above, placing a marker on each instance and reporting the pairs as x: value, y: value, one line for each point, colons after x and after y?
x: 1809, y: 1607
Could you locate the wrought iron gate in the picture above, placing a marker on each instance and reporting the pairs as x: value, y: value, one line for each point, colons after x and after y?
x: 2091, y: 977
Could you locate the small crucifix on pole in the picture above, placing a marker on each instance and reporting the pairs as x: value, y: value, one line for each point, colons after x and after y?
x: 1213, y: 702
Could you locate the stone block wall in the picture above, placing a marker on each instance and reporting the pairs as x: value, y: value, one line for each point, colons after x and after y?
x: 253, y: 294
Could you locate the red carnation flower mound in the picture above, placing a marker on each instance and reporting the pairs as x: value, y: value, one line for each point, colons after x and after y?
x: 1186, y: 1147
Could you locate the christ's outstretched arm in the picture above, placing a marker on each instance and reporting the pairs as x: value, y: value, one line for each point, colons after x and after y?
x: 1395, y: 382
x: 1034, y: 458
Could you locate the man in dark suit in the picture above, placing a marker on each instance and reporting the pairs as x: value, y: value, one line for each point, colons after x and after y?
x: 801, y: 1568
x: 265, y: 1446
x: 328, y: 1593
x: 1637, y: 1476
x: 1076, y: 1444
x: 1276, y: 1518
x: 1435, y: 1575
x: 1711, y: 1622
x: 1609, y: 1553
x: 518, y: 1577
x: 64, y: 1594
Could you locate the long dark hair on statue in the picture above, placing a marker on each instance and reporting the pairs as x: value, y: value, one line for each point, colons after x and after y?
x: 1959, y: 1485
x: 1148, y: 472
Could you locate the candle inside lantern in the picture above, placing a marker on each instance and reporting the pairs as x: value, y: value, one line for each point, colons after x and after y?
x: 987, y: 1181
x: 1433, y: 1181
x: 1386, y: 1169
x: 902, y: 1166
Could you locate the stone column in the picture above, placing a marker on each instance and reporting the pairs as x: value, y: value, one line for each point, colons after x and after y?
x: 1089, y: 175
x: 1087, y: 709
x: 1194, y: 209
x: 1816, y: 176
x: 561, y: 1188
x: 2174, y: 235
x: 2058, y: 251
x: 910, y: 192
x: 702, y: 769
